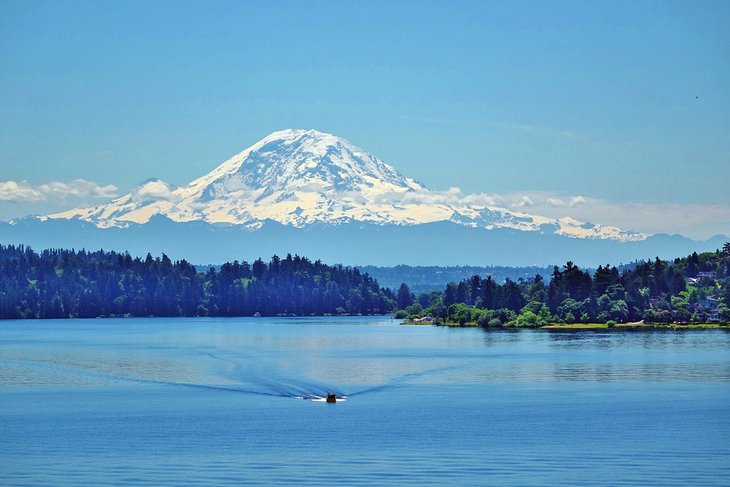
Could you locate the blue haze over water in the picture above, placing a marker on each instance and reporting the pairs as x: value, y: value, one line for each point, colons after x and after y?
x: 217, y: 401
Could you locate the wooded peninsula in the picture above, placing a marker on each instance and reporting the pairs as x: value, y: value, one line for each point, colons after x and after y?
x: 686, y: 291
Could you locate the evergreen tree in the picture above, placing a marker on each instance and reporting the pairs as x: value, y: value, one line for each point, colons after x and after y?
x: 405, y: 298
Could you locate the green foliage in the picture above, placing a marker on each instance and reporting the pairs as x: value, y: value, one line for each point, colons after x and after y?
x: 414, y: 310
x: 465, y: 314
x: 461, y: 313
x: 534, y: 314
x: 683, y: 315
x: 619, y: 311
x: 528, y: 319
x: 724, y: 313
x: 657, y: 316
x: 569, y: 309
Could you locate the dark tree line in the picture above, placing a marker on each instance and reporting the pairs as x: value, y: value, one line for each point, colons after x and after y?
x: 691, y: 289
x: 59, y: 283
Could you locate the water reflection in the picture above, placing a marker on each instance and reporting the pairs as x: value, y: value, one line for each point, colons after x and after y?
x: 641, y: 372
x: 312, y: 356
x: 694, y: 339
x: 494, y: 337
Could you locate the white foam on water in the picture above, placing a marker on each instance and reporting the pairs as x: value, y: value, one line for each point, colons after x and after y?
x: 322, y: 399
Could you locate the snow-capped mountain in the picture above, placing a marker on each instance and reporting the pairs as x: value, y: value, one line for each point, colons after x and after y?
x: 302, y: 177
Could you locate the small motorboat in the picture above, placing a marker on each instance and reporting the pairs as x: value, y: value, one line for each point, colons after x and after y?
x: 331, y: 397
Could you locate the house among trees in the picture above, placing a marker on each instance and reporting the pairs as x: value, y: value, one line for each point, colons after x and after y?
x: 706, y: 275
x: 708, y: 309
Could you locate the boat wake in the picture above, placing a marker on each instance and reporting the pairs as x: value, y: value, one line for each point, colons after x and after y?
x: 404, y: 379
x: 274, y: 385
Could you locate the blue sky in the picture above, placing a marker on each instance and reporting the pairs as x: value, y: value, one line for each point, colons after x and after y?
x: 625, y: 104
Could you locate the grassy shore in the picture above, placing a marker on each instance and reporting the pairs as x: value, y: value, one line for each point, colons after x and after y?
x: 591, y: 326
x: 634, y: 326
x: 452, y: 324
x: 576, y: 326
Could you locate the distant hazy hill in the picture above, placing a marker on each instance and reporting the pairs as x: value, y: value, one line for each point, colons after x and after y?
x: 435, y: 278
x: 441, y: 243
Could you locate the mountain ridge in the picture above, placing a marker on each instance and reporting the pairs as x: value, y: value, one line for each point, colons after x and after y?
x: 300, y: 177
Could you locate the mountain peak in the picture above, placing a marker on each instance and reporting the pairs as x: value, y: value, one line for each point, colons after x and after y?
x: 295, y: 133
x: 293, y: 159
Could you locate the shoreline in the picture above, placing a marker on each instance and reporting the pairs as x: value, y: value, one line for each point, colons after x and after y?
x: 584, y: 326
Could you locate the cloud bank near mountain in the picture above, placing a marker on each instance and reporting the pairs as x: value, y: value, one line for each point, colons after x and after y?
x: 699, y: 221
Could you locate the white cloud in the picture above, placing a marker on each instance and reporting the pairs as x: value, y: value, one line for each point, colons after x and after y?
x: 692, y: 220
x: 481, y: 199
x: 448, y: 197
x: 577, y: 201
x: 523, y: 201
x: 24, y: 192
x: 552, y: 201
x: 154, y: 189
x: 19, y: 192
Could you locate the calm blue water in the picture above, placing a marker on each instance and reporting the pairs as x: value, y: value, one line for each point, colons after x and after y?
x: 215, y: 401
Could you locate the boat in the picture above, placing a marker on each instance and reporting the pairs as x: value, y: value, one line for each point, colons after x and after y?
x: 331, y: 397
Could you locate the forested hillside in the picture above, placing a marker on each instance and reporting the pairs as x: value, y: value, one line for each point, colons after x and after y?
x: 693, y: 289
x: 66, y: 283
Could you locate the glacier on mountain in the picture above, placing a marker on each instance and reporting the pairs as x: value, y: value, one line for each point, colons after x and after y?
x: 301, y: 177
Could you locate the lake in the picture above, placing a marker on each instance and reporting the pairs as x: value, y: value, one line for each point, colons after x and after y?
x: 220, y: 401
